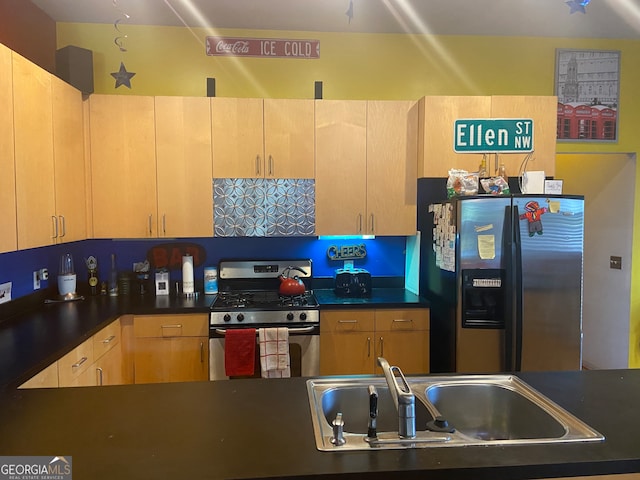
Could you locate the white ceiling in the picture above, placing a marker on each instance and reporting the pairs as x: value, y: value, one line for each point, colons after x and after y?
x: 603, y: 18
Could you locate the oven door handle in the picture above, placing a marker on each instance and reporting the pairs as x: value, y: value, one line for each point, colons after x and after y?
x: 223, y: 331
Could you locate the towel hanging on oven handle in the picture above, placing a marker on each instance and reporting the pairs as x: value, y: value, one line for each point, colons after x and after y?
x: 223, y: 331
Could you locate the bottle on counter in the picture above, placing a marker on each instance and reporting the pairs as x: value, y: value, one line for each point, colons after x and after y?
x: 502, y: 172
x: 113, y: 277
x: 482, y: 169
x: 210, y: 280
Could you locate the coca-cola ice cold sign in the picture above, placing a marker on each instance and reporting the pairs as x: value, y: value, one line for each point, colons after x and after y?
x: 263, y: 47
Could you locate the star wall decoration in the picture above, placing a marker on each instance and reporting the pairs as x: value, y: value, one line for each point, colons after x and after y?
x: 122, y: 76
x: 577, y: 6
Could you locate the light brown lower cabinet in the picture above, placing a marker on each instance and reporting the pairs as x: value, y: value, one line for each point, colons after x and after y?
x: 96, y: 361
x: 47, y: 378
x: 171, y: 348
x: 107, y: 370
x: 351, y: 340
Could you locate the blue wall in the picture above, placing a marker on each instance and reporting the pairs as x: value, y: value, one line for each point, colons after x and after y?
x: 385, y: 256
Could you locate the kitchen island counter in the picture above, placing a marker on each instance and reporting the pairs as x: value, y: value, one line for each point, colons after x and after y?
x: 262, y: 428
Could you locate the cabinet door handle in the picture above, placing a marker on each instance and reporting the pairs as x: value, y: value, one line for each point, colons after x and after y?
x: 164, y: 224
x: 55, y: 226
x: 381, y: 347
x: 372, y: 227
x: 109, y: 339
x: 360, y: 223
x: 402, y: 320
x: 369, y: 347
x: 177, y: 325
x: 201, y: 352
x: 270, y: 166
x: 150, y: 227
x: 257, y: 164
x: 347, y: 321
x: 79, y: 362
x: 99, y: 375
x: 64, y: 226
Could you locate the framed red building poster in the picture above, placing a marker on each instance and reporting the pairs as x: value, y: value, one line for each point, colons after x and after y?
x: 587, y: 84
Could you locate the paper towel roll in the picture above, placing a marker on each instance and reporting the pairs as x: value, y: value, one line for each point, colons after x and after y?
x: 187, y: 274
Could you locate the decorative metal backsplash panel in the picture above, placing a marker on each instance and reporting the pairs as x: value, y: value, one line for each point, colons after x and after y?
x: 259, y: 207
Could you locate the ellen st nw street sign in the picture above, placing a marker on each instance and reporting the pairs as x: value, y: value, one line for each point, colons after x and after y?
x: 489, y: 135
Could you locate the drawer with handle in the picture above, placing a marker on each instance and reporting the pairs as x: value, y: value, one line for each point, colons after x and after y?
x: 75, y: 363
x: 189, y: 325
x: 106, y: 339
x: 414, y: 319
x: 346, y: 321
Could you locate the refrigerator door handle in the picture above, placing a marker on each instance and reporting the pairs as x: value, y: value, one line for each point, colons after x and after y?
x: 508, y: 364
x: 518, y: 290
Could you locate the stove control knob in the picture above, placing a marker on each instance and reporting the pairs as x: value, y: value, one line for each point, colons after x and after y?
x: 289, y: 316
x: 303, y: 316
x: 240, y: 317
x: 227, y: 317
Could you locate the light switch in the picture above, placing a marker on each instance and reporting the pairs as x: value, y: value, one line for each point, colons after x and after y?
x: 615, y: 262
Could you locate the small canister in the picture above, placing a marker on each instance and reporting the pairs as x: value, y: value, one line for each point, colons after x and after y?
x: 210, y: 280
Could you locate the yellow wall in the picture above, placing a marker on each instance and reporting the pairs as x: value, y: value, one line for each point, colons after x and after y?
x: 172, y: 61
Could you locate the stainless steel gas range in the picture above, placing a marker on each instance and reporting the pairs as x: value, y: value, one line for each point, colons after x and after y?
x: 249, y: 297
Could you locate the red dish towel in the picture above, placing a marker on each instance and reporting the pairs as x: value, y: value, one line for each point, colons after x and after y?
x: 239, y: 351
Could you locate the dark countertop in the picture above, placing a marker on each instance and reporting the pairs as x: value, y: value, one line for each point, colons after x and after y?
x: 32, y: 340
x: 380, y: 298
x: 262, y: 428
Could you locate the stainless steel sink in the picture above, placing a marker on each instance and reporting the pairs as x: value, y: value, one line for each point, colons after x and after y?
x: 353, y: 400
x: 483, y: 410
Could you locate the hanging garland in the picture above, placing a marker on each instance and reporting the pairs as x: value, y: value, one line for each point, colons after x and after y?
x: 122, y: 77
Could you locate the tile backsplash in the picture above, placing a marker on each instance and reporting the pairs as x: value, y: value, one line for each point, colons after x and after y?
x: 259, y: 207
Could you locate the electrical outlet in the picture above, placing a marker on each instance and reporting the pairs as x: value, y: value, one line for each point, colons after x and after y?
x: 36, y: 280
x: 5, y: 292
x: 44, y: 274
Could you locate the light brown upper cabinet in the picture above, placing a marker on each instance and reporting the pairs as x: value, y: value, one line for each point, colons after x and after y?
x: 341, y: 166
x: 439, y: 113
x: 183, y: 154
x: 256, y: 138
x: 69, y: 162
x: 123, y: 163
x: 8, y: 228
x: 392, y: 151
x: 34, y: 168
x: 543, y: 110
x: 44, y: 197
x: 366, y: 167
x: 437, y: 118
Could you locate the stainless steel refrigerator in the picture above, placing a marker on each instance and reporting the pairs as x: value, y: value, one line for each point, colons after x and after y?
x: 504, y: 275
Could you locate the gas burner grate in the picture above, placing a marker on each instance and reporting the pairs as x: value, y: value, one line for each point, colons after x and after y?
x: 263, y: 299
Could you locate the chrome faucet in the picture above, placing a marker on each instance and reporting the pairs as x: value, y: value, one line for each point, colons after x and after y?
x: 403, y: 398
